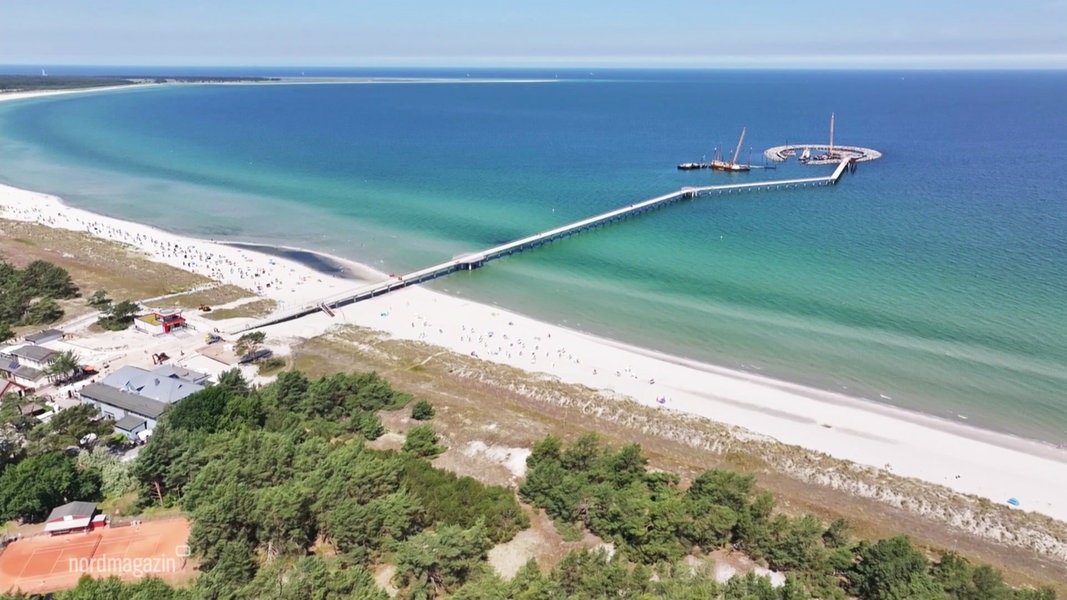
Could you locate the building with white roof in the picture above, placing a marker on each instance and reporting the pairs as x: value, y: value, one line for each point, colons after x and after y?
x: 135, y: 398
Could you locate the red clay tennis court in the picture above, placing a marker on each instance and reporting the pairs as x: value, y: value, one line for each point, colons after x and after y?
x: 46, y: 564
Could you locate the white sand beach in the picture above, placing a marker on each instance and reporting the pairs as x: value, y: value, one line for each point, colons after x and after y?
x: 955, y: 455
x: 285, y: 281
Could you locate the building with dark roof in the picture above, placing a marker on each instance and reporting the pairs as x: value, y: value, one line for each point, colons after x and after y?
x: 44, y: 336
x: 34, y: 356
x: 116, y: 404
x: 131, y: 425
x: 22, y: 370
x: 135, y: 398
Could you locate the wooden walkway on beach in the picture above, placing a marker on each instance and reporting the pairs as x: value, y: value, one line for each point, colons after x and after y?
x: 474, y: 260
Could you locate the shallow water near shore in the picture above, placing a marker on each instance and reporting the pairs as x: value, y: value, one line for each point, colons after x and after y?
x: 932, y: 279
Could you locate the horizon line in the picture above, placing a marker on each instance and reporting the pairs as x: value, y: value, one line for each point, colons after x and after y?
x: 568, y: 67
x: 1057, y: 61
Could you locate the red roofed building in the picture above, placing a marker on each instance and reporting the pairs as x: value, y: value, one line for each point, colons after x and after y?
x: 159, y: 322
x: 71, y: 517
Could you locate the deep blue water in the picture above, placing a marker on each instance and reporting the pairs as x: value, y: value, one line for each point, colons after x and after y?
x: 933, y: 278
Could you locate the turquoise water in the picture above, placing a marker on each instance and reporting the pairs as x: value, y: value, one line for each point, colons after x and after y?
x: 933, y: 279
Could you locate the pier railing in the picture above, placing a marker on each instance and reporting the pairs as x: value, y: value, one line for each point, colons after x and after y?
x: 477, y: 259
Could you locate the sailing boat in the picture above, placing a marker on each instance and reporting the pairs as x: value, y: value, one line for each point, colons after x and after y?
x: 805, y: 156
x: 732, y: 166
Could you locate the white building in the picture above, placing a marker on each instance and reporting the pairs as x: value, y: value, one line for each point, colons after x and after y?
x: 135, y: 398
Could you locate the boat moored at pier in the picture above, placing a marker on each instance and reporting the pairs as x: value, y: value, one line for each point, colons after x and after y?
x: 732, y: 166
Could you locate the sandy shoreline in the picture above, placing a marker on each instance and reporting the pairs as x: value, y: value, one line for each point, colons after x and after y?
x: 960, y: 457
x: 312, y: 260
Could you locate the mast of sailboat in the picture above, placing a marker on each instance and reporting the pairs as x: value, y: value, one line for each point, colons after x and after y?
x: 831, y: 134
x: 738, y: 150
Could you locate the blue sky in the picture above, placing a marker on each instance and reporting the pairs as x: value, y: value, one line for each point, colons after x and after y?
x: 709, y: 33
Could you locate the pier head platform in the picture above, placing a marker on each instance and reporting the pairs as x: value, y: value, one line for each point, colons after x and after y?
x: 821, y: 154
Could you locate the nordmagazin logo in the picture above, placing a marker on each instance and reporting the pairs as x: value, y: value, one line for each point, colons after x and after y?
x: 132, y: 566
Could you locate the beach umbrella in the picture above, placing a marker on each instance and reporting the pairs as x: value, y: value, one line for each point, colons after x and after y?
x: 1013, y: 501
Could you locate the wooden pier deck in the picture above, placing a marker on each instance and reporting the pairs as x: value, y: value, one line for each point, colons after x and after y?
x: 477, y: 259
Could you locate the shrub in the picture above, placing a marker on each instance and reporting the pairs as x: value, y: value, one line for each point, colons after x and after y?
x: 422, y: 441
x: 422, y: 411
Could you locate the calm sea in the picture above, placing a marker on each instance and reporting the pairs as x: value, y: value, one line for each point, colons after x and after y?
x: 934, y: 279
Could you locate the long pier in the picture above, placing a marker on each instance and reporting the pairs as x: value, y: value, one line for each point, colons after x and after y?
x: 474, y: 260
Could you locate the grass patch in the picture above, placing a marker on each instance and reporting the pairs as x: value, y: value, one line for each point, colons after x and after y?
x: 271, y: 365
x: 121, y: 506
x: 249, y: 310
x: 93, y: 263
x: 223, y: 294
x: 744, y: 462
x: 157, y: 512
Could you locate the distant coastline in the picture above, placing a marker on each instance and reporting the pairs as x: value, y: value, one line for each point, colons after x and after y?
x: 49, y: 83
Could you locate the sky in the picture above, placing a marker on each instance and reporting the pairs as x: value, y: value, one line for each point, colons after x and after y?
x: 506, y: 33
